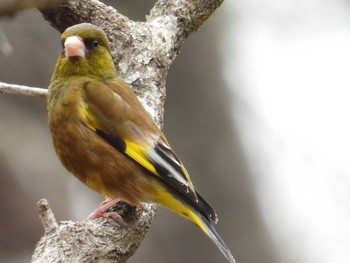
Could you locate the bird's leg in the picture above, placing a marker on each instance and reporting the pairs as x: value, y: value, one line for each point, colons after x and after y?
x: 102, y: 210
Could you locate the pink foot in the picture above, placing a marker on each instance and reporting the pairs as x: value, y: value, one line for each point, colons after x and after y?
x: 102, y: 211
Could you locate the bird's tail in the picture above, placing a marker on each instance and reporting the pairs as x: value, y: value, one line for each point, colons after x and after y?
x: 208, y: 228
x: 200, y: 219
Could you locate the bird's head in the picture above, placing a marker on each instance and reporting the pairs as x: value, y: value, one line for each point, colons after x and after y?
x: 86, y: 52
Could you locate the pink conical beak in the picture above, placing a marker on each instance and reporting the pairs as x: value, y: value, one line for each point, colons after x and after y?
x: 74, y: 47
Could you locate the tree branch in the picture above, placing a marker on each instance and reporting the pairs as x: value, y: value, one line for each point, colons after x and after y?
x: 6, y: 88
x: 142, y: 53
x: 189, y: 14
x: 97, y: 240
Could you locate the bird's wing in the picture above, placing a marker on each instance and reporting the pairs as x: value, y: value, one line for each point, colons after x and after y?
x: 114, y: 113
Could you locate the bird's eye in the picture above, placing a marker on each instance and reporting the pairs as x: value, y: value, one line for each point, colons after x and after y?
x: 95, y: 43
x: 92, y: 44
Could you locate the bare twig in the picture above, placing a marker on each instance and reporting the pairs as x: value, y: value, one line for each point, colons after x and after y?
x: 47, y: 217
x: 6, y: 88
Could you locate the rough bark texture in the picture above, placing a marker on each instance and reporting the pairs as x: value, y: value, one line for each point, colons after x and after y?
x: 142, y: 52
x: 100, y: 240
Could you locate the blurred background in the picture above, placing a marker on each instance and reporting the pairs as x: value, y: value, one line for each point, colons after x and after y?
x: 258, y: 110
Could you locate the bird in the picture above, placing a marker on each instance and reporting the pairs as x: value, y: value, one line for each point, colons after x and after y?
x: 104, y: 136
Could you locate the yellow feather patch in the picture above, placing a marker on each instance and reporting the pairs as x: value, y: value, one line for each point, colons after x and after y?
x: 89, y: 118
x: 180, y: 208
x: 138, y: 153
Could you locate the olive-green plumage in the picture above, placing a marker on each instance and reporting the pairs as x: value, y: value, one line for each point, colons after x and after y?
x: 103, y: 135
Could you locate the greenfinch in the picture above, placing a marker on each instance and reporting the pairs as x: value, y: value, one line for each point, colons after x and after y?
x: 104, y: 136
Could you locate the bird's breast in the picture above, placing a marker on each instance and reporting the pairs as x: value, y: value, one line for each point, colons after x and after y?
x: 93, y: 160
